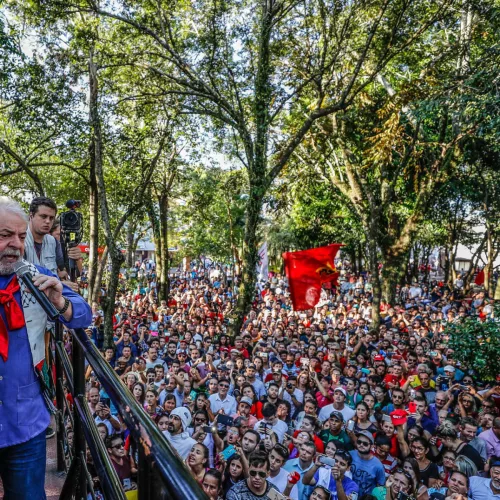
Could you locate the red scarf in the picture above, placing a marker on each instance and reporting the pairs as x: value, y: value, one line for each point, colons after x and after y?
x: 13, y: 313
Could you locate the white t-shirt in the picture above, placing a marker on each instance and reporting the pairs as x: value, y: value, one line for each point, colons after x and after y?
x: 347, y: 412
x: 280, y: 481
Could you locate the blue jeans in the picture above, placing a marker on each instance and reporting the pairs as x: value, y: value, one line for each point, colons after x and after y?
x: 22, y: 469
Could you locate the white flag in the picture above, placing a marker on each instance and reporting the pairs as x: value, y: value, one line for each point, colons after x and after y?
x: 263, y: 264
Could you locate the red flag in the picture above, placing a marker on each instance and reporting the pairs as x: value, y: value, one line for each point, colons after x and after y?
x: 479, y: 278
x: 307, y: 270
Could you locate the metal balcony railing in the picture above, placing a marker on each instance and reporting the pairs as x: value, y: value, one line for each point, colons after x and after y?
x: 161, y: 474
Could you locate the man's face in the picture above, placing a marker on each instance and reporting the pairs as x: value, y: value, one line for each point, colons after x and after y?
x: 93, y: 396
x: 424, y: 379
x: 363, y: 445
x: 127, y: 352
x: 171, y: 349
x: 251, y: 372
x: 420, y: 407
x: 243, y: 409
x: 223, y: 388
x: 468, y: 432
x: 12, y: 235
x: 257, y: 476
x: 342, y: 464
x: 117, y: 448
x: 306, y: 453
x: 249, y: 443
x: 495, y: 477
x: 42, y: 220
x: 335, y: 424
x: 276, y: 461
x: 338, y: 397
x: 174, y: 425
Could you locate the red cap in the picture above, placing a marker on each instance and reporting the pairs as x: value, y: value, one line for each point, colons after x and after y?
x: 398, y: 417
x: 378, y: 357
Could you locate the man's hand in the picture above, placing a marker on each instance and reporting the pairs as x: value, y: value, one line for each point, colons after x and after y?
x: 51, y: 287
x: 74, y: 253
x: 70, y: 284
x: 336, y: 472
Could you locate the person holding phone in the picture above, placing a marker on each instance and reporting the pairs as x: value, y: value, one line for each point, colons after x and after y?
x: 332, y: 477
x: 102, y: 415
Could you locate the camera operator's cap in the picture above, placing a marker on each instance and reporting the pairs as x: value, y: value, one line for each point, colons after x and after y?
x: 246, y: 400
x: 337, y: 415
x: 449, y: 368
x: 367, y: 435
x: 341, y: 389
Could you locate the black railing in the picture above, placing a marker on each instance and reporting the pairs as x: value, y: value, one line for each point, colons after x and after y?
x: 161, y: 474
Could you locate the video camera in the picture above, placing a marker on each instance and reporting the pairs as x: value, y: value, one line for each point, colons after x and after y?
x: 72, y: 224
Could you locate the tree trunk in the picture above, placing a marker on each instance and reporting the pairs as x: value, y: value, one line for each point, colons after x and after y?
x: 352, y: 257
x: 392, y: 271
x: 246, y: 290
x: 163, y: 257
x: 99, y: 275
x: 372, y: 264
x: 94, y: 227
x: 114, y: 253
x: 129, y: 261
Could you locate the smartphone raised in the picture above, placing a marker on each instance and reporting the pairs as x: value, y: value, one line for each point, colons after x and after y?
x: 275, y: 495
x: 225, y: 420
x: 324, y: 460
x: 350, y: 425
x: 105, y: 401
x: 228, y: 452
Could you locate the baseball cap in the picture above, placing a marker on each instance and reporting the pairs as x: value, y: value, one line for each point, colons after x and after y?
x: 366, y: 434
x: 449, y: 368
x: 341, y: 389
x: 378, y: 357
x: 337, y: 415
x: 246, y: 400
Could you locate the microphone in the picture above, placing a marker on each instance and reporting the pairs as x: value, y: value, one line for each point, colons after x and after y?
x: 23, y: 272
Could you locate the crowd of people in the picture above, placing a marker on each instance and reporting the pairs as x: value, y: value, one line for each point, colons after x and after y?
x: 304, y: 405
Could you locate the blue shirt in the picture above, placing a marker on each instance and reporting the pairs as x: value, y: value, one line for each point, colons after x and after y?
x: 294, y: 466
x: 23, y: 414
x: 368, y: 474
x: 331, y: 485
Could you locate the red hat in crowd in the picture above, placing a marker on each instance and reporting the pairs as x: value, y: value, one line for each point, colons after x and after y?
x: 399, y: 417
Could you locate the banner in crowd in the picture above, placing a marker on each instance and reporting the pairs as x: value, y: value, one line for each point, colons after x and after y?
x: 263, y: 264
x: 307, y: 270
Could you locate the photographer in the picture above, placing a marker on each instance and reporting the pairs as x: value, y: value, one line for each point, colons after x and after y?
x: 332, y: 477
x: 40, y: 247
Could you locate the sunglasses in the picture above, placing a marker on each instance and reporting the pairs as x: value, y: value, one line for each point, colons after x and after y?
x: 118, y: 446
x: 364, y: 443
x: 224, y: 385
x: 259, y: 473
x: 405, y: 473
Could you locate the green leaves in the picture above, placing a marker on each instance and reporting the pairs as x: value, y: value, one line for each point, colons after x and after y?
x: 476, y: 345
